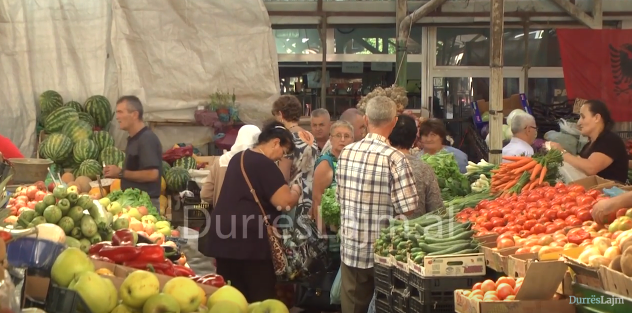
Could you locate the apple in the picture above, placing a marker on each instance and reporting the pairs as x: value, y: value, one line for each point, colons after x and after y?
x: 103, y: 201
x: 114, y: 207
x: 72, y: 189
x: 142, y: 210
x: 628, y: 213
x: 149, y: 219
x: 70, y: 262
x: 230, y: 294
x: 185, y: 291
x: 133, y: 212
x: 175, y: 233
x: 201, y: 295
x: 226, y: 307
x: 253, y: 306
x: 97, y: 292
x: 138, y: 287
x: 40, y: 185
x: 122, y: 308
x: 160, y: 303
x: 271, y: 306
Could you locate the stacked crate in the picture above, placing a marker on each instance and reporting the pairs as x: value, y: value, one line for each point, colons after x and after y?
x: 383, y: 285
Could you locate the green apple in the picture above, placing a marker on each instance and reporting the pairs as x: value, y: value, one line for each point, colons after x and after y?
x: 185, y: 291
x: 165, y: 231
x: 628, y: 213
x: 202, y: 309
x: 95, y: 291
x: 138, y: 287
x: 70, y: 262
x: 226, y: 307
x: 253, y: 306
x: 161, y: 303
x: 104, y: 202
x: 122, y: 308
x: 271, y: 306
x: 149, y: 219
x: 230, y: 294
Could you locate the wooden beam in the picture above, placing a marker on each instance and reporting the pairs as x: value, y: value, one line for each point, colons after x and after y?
x: 592, y: 22
x: 497, y: 24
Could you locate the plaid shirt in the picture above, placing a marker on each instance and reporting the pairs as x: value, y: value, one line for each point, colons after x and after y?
x: 375, y: 182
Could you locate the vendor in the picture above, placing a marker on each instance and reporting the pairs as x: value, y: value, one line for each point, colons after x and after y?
x: 143, y: 160
x: 320, y: 122
x: 524, y: 133
x: 605, y: 207
x: 434, y: 139
x: 605, y: 154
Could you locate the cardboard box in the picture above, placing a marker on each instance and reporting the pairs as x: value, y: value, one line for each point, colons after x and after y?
x: 585, y: 275
x: 403, y: 266
x: 35, y: 289
x: 497, y: 259
x: 566, y: 287
x: 518, y: 101
x: 519, y: 263
x: 617, y: 283
x: 384, y: 260
x: 594, y: 182
x: 535, y: 295
x: 487, y: 238
x: 450, y: 265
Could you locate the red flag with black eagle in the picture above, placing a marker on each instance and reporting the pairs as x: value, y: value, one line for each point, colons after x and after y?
x: 597, y: 64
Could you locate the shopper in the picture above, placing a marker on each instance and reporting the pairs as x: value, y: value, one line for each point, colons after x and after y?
x: 605, y: 154
x: 143, y: 159
x: 237, y: 236
x: 403, y: 139
x: 356, y: 119
x: 320, y: 123
x: 524, y: 132
x: 434, y: 139
x: 298, y: 166
x: 375, y: 182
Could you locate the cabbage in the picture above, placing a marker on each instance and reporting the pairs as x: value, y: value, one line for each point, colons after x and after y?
x: 485, y: 117
x: 507, y: 134
x: 514, y: 113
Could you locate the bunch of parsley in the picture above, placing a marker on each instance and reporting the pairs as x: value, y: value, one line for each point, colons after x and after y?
x: 329, y: 207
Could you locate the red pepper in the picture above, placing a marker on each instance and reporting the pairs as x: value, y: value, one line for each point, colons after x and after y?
x: 95, y: 248
x: 213, y: 280
x: 123, y: 237
x: 183, y: 271
x: 119, y: 254
x: 164, y: 267
x: 101, y: 258
x: 577, y: 236
x: 150, y: 254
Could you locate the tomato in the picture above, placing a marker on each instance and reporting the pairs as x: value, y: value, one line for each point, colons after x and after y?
x: 549, y: 195
x: 524, y: 233
x: 538, y: 229
x: 504, y: 243
x: 584, y: 215
x: 593, y: 193
x: 487, y: 225
x: 520, y: 205
x: 569, y: 199
x: 480, y: 220
x: 499, y: 230
x: 495, y: 213
x: 533, y: 198
x: 497, y: 222
x: 510, y: 217
x: 560, y: 185
x: 506, y: 211
x: 575, y: 188
x: 621, y: 212
x: 529, y: 224
x: 550, y: 214
x: 584, y: 200
x: 523, y: 250
x: 574, y: 222
x: 563, y: 214
x: 508, y: 235
x: 551, y: 228
x: 520, y: 220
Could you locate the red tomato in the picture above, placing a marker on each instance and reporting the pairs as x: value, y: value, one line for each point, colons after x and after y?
x: 520, y: 220
x: 524, y: 233
x: 551, y: 228
x: 573, y: 221
x: 487, y: 225
x: 538, y: 229
x: 584, y: 215
x: 560, y: 185
x: 495, y: 213
x: 576, y: 188
x: 542, y: 220
x: 584, y: 200
x: 593, y: 193
x: 510, y: 217
x: 498, y: 222
x: 480, y: 220
x: 563, y: 214
x: 550, y: 214
x: 621, y: 212
x: 559, y: 223
x: 529, y: 224
x: 520, y: 206
x: 499, y: 230
x: 549, y: 195
x: 504, y: 243
x: 508, y: 235
x: 533, y: 198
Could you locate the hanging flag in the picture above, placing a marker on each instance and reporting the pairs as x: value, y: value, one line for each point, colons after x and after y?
x: 597, y: 64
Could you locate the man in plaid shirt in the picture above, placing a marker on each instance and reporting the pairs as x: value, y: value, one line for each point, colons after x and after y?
x: 375, y: 183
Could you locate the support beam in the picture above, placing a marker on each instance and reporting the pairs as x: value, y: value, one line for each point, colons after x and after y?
x: 323, y: 44
x: 497, y: 15
x: 593, y: 22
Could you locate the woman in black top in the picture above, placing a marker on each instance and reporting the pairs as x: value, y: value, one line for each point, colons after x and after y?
x: 605, y: 155
x: 237, y: 236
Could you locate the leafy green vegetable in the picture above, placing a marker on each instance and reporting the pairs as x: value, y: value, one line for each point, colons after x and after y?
x: 329, y: 207
x: 451, y: 182
x: 133, y: 197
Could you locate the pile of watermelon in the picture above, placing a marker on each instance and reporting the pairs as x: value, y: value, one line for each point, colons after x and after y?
x: 76, y: 134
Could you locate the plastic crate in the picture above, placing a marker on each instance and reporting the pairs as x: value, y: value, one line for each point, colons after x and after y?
x: 33, y: 253
x: 400, y: 278
x: 63, y: 300
x: 383, y: 302
x: 415, y: 306
x: 383, y: 274
x: 440, y: 290
x: 400, y: 300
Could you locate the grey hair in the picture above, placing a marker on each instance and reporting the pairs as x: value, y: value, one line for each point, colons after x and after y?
x: 320, y: 112
x: 520, y: 121
x: 340, y: 123
x: 133, y: 105
x: 349, y: 115
x: 380, y: 110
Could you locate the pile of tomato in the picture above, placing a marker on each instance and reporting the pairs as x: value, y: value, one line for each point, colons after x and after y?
x: 542, y: 210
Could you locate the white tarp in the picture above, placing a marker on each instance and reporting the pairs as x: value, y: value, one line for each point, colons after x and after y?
x: 172, y: 54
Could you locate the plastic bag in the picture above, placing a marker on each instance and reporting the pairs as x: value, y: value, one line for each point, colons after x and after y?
x: 8, y: 296
x: 372, y: 305
x: 334, y: 294
x: 568, y: 142
x: 570, y: 174
x: 569, y: 128
x: 613, y: 192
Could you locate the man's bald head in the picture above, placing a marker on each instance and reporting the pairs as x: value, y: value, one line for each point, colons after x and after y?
x: 356, y: 119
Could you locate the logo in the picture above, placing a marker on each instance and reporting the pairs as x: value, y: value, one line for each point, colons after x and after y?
x: 621, y: 65
x: 612, y: 301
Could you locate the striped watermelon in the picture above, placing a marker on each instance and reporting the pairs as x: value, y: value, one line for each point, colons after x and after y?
x: 77, y: 130
x: 103, y: 139
x: 111, y: 156
x: 165, y: 168
x: 75, y: 105
x: 56, y: 147
x: 187, y: 163
x: 99, y: 108
x: 87, y: 117
x: 56, y: 120
x: 68, y: 163
x: 177, y: 179
x: 85, y: 149
x: 49, y: 101
x: 90, y: 168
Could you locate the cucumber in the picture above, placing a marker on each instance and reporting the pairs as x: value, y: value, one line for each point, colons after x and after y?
x: 402, y: 245
x: 450, y: 233
x: 400, y: 258
x: 467, y: 251
x: 448, y: 230
x: 419, y: 259
x: 416, y: 250
x: 442, y: 246
x: 463, y: 235
x: 451, y: 250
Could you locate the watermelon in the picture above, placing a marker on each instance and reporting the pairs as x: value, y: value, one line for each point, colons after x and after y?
x: 177, y: 179
x: 103, y: 139
x: 75, y: 105
x: 85, y: 149
x: 90, y: 168
x: 165, y: 168
x: 187, y: 163
x: 56, y: 147
x: 87, y: 117
x: 56, y: 120
x: 49, y: 101
x: 99, y: 108
x: 69, y: 162
x: 111, y: 156
x: 77, y: 130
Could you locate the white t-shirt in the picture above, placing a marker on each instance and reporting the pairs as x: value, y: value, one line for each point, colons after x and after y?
x: 517, y: 147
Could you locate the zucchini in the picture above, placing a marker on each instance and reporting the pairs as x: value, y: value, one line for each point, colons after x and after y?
x: 442, y: 246
x: 463, y: 235
x: 451, y: 250
x: 400, y: 258
x: 416, y: 250
x: 393, y: 252
x: 467, y: 251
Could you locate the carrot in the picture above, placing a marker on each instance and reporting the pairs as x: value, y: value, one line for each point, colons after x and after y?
x: 542, y: 174
x: 526, y: 186
x: 535, y: 172
x: 525, y: 168
x: 533, y: 185
x: 514, y: 158
x: 518, y: 164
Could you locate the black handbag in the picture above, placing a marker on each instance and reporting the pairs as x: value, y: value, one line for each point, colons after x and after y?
x: 312, y: 294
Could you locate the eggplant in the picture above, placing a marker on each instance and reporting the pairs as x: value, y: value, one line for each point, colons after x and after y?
x: 172, y: 253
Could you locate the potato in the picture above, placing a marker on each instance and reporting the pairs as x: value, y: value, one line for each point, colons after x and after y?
x: 626, y: 262
x: 615, y: 265
x: 625, y: 244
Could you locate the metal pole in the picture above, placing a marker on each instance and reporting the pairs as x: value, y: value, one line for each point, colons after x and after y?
x: 496, y: 81
x: 527, y: 64
x: 402, y: 39
x: 323, y: 78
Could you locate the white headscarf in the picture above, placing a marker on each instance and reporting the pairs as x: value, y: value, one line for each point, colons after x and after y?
x: 246, y: 138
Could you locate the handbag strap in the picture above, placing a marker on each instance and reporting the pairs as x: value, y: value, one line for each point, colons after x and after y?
x: 252, y: 190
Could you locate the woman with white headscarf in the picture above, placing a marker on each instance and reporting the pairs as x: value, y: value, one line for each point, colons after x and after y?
x: 246, y: 138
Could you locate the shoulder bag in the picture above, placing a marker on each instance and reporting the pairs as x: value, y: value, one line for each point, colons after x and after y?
x: 279, y: 259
